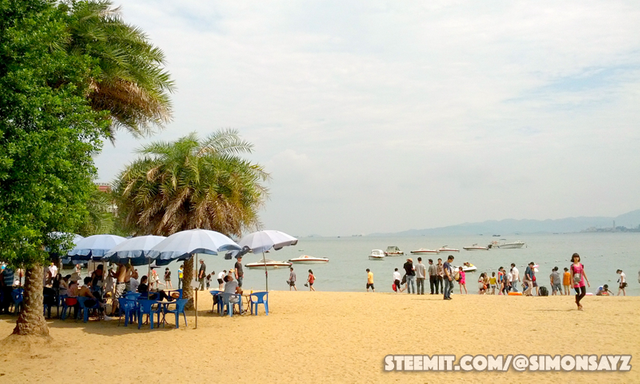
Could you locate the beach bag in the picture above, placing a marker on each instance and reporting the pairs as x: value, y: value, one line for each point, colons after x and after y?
x: 577, y: 277
x: 457, y: 276
x: 393, y: 286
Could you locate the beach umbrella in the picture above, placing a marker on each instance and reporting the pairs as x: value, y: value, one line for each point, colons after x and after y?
x: 134, y: 250
x: 94, y: 247
x: 183, y: 245
x: 262, y: 241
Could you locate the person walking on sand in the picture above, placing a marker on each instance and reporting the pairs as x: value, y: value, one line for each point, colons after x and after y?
x: 463, y: 281
x: 433, y: 277
x: 396, y: 280
x: 421, y: 273
x: 515, y: 277
x: 566, y: 281
x: 202, y: 274
x: 411, y: 274
x: 310, y: 280
x: 528, y: 279
x: 578, y: 277
x: 555, y: 281
x: 448, y: 278
x: 370, y: 281
x: 292, y: 279
x: 440, y: 269
x: 623, y: 283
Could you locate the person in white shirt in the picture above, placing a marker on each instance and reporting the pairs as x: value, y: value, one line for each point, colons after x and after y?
x: 221, y: 277
x: 54, y: 270
x: 396, y: 280
x: 515, y: 277
x: 623, y: 283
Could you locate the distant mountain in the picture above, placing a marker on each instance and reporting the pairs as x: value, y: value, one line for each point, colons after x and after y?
x: 512, y: 226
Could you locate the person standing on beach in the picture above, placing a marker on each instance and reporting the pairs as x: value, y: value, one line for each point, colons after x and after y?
x: 623, y: 283
x: 410, y: 274
x: 370, y: 281
x: 202, y: 274
x: 433, y: 277
x: 221, y: 277
x: 180, y: 275
x: 292, y: 279
x: 396, y: 280
x: 239, y: 272
x: 463, y: 281
x: 421, y: 273
x: 310, y: 280
x: 167, y: 278
x: 448, y: 278
x: 515, y: 277
x: 528, y: 279
x: 554, y: 280
x: 440, y: 272
x: 578, y: 276
x: 566, y: 281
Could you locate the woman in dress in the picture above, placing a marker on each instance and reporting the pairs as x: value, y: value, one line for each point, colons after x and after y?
x: 463, y: 281
x: 578, y: 277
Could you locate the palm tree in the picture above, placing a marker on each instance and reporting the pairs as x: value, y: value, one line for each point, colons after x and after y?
x: 130, y: 83
x: 189, y: 184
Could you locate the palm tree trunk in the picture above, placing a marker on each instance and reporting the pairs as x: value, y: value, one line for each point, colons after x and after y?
x: 187, y: 291
x: 31, y: 319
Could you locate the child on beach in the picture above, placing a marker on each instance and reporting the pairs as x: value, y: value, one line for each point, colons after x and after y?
x: 463, y: 281
x: 370, y: 281
x: 482, y: 288
x: 566, y: 281
x: 623, y: 283
x: 310, y: 280
x: 167, y: 278
x: 492, y: 283
x: 578, y: 276
x: 396, y: 280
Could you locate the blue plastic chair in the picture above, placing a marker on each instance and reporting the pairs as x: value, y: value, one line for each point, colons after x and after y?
x: 228, y: 302
x: 145, y: 307
x: 259, y: 298
x: 180, y: 304
x: 127, y: 307
x: 82, y: 301
x: 132, y: 295
x: 17, y: 295
x: 172, y: 291
x: 216, y: 301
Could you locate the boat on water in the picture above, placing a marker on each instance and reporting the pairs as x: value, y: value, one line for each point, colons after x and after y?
x: 475, y: 247
x: 306, y: 259
x: 269, y: 264
x: 424, y: 250
x: 445, y: 248
x: 507, y: 244
x: 466, y: 267
x: 376, y: 254
x: 393, y: 250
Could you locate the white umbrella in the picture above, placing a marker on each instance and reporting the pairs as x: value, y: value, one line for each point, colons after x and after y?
x: 95, y: 247
x: 182, y: 245
x: 262, y: 241
x: 135, y: 249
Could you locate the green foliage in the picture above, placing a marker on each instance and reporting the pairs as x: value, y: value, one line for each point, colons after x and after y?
x: 192, y: 183
x: 48, y: 131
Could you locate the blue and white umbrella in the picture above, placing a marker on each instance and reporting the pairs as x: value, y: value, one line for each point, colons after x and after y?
x: 181, y: 245
x: 94, y: 247
x: 134, y: 250
x: 262, y: 241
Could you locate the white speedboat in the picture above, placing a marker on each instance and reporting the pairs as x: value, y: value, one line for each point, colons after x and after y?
x: 393, y: 250
x: 466, y: 267
x: 423, y: 251
x: 270, y: 264
x: 508, y: 244
x: 475, y: 247
x: 445, y: 248
x: 306, y: 259
x: 376, y: 254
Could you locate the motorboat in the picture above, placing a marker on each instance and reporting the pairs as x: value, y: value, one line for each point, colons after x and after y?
x: 269, y: 264
x: 376, y: 254
x: 466, y: 267
x: 476, y: 247
x: 507, y: 244
x: 306, y: 259
x: 393, y: 250
x: 445, y: 248
x: 423, y: 250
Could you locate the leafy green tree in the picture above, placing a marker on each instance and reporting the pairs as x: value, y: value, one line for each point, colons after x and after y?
x: 48, y: 134
x: 192, y: 183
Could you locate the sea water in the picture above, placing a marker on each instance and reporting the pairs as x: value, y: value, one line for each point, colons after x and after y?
x: 601, y: 253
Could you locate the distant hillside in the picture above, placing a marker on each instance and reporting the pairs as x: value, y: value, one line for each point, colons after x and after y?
x: 511, y: 226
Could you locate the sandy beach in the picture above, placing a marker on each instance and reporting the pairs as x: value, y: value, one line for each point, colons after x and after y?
x: 333, y: 337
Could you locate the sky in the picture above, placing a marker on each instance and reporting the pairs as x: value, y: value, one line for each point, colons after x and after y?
x: 384, y: 116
